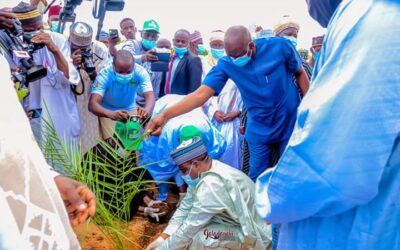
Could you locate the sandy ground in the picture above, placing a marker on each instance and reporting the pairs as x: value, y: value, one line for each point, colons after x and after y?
x: 141, y: 232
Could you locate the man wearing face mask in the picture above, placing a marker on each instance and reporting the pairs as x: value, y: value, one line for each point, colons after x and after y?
x: 197, y: 45
x: 54, y: 18
x: 114, y: 92
x: 224, y: 109
x: 155, y: 152
x: 263, y: 72
x: 185, y: 69
x: 341, y: 168
x: 52, y: 94
x: 316, y: 49
x: 144, y: 53
x: 218, y: 209
x: 289, y: 30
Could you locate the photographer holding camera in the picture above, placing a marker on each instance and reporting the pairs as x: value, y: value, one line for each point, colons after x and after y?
x: 7, y: 19
x: 52, y: 93
x: 24, y: 168
x: 89, y: 57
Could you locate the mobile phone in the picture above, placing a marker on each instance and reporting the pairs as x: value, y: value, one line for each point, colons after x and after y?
x: 113, y: 33
x: 36, y: 113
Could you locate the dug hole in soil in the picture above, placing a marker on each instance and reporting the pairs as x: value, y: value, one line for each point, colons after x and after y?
x: 141, y: 231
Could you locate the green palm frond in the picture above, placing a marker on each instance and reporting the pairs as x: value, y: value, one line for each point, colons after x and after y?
x: 115, y: 180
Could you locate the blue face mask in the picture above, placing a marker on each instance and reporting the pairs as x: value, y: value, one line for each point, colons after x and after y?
x: 322, y: 11
x: 292, y: 40
x: 201, y: 49
x: 149, y: 44
x: 217, y: 53
x: 242, y: 61
x: 54, y: 26
x: 180, y: 51
x: 189, y: 180
x: 123, y: 79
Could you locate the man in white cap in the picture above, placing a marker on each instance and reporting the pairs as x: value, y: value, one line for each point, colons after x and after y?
x: 89, y: 57
x: 218, y: 210
x: 224, y: 109
x: 289, y: 29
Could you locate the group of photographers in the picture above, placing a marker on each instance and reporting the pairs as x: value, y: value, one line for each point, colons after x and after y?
x: 58, y: 80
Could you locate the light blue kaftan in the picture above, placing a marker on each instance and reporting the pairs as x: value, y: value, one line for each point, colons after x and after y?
x: 337, y: 185
x: 157, y: 150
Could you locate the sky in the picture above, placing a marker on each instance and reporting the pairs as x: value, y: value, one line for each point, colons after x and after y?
x: 203, y: 15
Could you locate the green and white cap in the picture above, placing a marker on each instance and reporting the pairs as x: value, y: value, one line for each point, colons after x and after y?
x: 151, y: 25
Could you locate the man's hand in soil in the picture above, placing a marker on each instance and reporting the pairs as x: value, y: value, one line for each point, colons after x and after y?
x: 119, y: 115
x: 154, y: 213
x: 79, y: 201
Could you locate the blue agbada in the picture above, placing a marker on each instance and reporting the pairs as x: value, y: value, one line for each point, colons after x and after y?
x: 157, y: 149
x: 337, y: 185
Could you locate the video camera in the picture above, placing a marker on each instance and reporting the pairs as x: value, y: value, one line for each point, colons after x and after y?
x: 23, y: 50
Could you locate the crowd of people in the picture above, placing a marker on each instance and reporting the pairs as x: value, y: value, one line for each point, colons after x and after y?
x: 270, y: 147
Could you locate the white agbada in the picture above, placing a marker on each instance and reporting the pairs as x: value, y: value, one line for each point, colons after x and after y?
x: 218, y: 213
x: 229, y: 100
x: 54, y: 93
x: 33, y: 215
x: 89, y: 122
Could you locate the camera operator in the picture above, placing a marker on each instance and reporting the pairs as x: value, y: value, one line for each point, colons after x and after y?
x: 7, y: 19
x: 52, y: 93
x: 89, y: 57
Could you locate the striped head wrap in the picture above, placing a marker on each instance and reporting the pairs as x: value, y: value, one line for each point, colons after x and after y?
x: 188, y: 150
x: 27, y: 14
x: 195, y: 36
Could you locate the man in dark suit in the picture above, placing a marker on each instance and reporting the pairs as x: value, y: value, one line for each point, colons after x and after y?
x: 185, y: 70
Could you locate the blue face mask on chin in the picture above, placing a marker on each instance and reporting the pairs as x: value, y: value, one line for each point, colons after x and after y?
x: 242, y: 61
x: 322, y: 11
x: 189, y: 180
x: 149, y: 44
x: 123, y: 79
x: 292, y: 40
x: 217, y: 53
x: 180, y: 51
